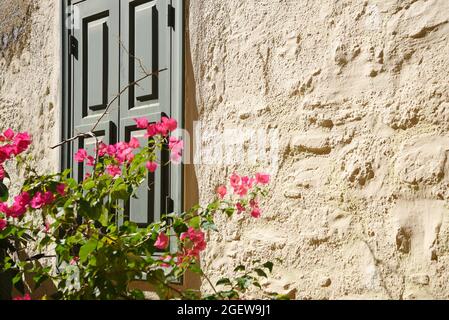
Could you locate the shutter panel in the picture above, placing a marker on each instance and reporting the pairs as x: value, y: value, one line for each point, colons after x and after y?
x: 95, y: 73
x: 145, y: 44
x: 115, y: 40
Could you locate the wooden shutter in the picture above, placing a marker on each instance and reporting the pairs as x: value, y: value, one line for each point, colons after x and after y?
x: 145, y: 48
x: 95, y: 73
x: 116, y: 39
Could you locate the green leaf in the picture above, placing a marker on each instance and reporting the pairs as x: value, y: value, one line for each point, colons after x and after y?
x: 224, y: 282
x: 261, y: 273
x: 244, y: 282
x: 180, y: 227
x: 120, y: 192
x: 87, y: 249
x: 239, y: 268
x: 195, y: 222
x: 91, y: 212
x: 17, y: 278
x: 231, y: 294
x: 207, y: 225
x: 268, y: 265
x: 88, y: 184
x: 229, y: 211
x: 4, y: 193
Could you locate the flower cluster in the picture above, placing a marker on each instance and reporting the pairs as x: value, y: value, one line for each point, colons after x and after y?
x: 163, y: 128
x: 242, y: 186
x: 23, y: 201
x: 25, y: 297
x: 123, y: 152
x: 3, y: 224
x: 194, y: 242
x: 15, y: 145
x: 161, y: 241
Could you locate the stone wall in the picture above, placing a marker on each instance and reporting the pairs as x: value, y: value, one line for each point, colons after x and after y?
x: 30, y: 74
x: 359, y: 93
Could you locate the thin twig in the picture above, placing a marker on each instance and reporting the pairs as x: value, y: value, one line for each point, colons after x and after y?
x: 210, y: 282
x: 91, y: 132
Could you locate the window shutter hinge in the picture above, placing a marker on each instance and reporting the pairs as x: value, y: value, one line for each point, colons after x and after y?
x: 74, y: 47
x: 169, y: 205
x: 171, y: 16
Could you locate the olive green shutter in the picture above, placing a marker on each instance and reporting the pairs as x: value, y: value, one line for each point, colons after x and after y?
x: 95, y: 73
x: 145, y: 49
x: 118, y: 43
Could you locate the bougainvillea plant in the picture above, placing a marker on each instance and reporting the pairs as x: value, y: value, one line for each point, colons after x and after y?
x: 65, y: 232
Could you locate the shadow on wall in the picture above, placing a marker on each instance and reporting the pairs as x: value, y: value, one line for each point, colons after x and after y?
x: 191, y: 197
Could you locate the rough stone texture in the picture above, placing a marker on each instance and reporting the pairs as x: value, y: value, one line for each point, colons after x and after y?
x: 30, y: 75
x: 359, y: 93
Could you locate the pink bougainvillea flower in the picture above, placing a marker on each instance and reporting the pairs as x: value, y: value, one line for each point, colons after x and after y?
x: 49, y: 198
x: 234, y: 180
x: 262, y: 178
x: 47, y: 227
x: 25, y: 297
x: 161, y: 241
x: 240, y: 207
x: 23, y: 199
x: 161, y: 129
x: 80, y: 155
x: 2, y: 172
x: 60, y: 188
x: 176, y: 146
x: 130, y: 157
x: 142, y: 123
x: 166, y: 261
x: 255, y: 213
x: 42, y: 199
x: 87, y: 175
x: 9, y: 134
x: 38, y: 201
x: 102, y: 149
x: 90, y: 161
x: 111, y: 150
x: 74, y: 260
x: 197, y: 238
x: 169, y: 123
x: 221, y: 190
x: 176, y: 158
x: 19, y: 206
x: 113, y: 170
x: 134, y: 143
x: 151, y: 131
x: 21, y: 142
x: 3, y: 224
x: 241, y: 190
x: 253, y: 203
x: 151, y: 166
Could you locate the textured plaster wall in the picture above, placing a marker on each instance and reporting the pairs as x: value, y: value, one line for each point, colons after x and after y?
x: 359, y: 93
x: 30, y: 74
